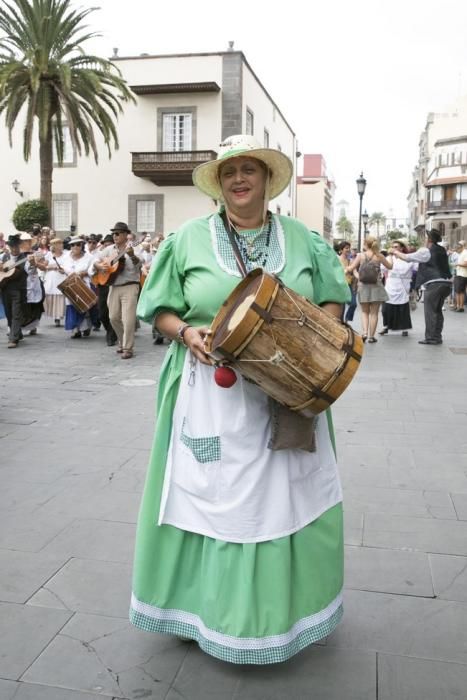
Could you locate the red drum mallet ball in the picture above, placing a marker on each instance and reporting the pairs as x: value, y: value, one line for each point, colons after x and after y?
x: 225, y: 377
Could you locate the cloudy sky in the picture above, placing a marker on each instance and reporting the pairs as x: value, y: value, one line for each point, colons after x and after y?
x: 354, y: 80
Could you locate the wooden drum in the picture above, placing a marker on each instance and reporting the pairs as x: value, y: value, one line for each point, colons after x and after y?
x: 299, y: 354
x: 77, y: 291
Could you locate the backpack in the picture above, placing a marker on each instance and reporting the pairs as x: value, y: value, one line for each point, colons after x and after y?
x: 368, y: 272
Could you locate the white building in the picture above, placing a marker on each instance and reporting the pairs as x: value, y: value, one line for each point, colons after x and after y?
x: 438, y: 196
x: 186, y: 105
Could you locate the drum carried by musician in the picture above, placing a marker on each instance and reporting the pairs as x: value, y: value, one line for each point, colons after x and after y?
x: 80, y: 298
x: 239, y: 543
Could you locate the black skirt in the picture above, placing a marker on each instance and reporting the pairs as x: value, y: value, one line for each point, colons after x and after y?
x: 396, y: 317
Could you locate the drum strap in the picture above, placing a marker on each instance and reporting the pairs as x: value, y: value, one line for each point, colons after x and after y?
x: 289, y: 430
x: 236, y: 250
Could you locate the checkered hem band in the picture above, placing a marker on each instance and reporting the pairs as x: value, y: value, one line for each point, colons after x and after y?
x: 206, y: 449
x: 238, y: 650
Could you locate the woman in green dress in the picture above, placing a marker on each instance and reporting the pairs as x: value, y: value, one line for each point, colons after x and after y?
x: 239, y: 547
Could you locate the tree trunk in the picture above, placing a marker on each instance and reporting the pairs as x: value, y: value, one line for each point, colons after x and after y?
x: 46, y: 164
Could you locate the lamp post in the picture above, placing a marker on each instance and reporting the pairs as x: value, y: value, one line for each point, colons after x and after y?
x: 365, y: 218
x: 361, y: 184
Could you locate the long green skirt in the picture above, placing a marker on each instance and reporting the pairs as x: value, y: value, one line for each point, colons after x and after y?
x: 254, y: 603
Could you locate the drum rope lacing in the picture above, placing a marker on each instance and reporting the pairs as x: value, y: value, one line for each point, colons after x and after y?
x: 302, y: 320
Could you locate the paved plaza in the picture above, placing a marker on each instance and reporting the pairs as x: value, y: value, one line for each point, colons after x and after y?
x: 76, y: 424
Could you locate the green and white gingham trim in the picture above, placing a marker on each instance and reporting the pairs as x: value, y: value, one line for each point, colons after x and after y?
x: 206, y: 449
x: 224, y: 254
x: 238, y: 650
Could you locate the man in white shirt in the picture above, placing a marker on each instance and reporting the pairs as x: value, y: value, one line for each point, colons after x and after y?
x: 434, y: 276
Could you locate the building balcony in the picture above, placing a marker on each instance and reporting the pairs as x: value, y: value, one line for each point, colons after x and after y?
x: 169, y: 167
x: 447, y: 205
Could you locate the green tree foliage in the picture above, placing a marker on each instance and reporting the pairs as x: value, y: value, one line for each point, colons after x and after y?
x: 28, y: 213
x: 378, y: 219
x: 46, y: 76
x: 344, y: 227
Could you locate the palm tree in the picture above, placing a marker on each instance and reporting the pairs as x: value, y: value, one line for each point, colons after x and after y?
x: 46, y: 75
x: 377, y: 218
x: 344, y: 226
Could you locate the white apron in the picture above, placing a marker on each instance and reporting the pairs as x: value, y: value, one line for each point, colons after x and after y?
x: 221, y: 479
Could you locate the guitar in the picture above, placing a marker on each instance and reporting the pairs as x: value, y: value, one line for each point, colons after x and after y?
x: 10, y: 271
x: 115, y: 264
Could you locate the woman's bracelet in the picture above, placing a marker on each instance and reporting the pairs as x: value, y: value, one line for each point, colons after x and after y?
x: 180, y: 334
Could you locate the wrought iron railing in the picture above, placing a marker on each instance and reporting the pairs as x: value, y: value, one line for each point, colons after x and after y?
x: 447, y: 205
x: 160, y: 158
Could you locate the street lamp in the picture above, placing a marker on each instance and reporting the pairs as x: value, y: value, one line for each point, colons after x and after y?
x: 365, y: 218
x: 361, y: 184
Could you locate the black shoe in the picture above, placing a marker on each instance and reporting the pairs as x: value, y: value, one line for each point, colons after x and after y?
x: 460, y: 311
x: 430, y: 342
x: 385, y: 331
x: 76, y: 335
x: 405, y: 334
x: 87, y: 333
x: 57, y: 322
x: 159, y: 340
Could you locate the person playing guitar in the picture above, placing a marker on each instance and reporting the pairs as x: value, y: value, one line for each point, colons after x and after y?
x: 14, y: 282
x: 120, y: 268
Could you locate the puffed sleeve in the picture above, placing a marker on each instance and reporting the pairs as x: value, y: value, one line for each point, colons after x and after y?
x: 163, y: 289
x: 329, y: 283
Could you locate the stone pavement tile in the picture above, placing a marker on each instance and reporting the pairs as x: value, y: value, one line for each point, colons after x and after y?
x: 375, y: 456
x: 449, y: 577
x: 29, y: 531
x: 109, y: 656
x: 29, y: 691
x: 8, y: 689
x: 460, y: 504
x: 94, y: 539
x: 403, y: 678
x: 353, y: 526
x: 352, y: 475
x: 22, y: 573
x: 93, y: 586
x: 16, y: 496
x: 431, y: 478
x: 388, y: 571
x: 424, y: 504
x: 314, y: 673
x: 403, y: 625
x: 25, y: 633
x: 422, y: 534
x: 107, y: 503
x: 424, y: 458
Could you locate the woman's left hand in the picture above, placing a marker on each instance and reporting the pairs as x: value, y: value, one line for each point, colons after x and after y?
x: 194, y: 340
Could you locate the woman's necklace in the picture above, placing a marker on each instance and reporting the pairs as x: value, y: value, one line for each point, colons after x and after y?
x: 248, y: 244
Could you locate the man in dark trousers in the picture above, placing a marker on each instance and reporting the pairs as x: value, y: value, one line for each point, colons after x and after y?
x: 14, y: 288
x: 434, y: 276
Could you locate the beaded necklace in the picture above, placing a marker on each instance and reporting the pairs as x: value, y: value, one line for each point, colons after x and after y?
x: 248, y: 245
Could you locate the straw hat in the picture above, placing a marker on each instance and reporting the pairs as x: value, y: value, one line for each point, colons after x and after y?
x: 206, y: 175
x: 402, y: 241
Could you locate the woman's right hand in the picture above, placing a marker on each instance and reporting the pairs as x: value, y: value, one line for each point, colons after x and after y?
x: 194, y: 340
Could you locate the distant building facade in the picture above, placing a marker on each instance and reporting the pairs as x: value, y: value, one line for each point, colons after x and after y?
x: 438, y: 195
x: 186, y: 104
x: 315, y: 195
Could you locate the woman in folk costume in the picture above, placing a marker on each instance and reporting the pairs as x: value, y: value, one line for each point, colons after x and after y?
x: 396, y: 310
x: 239, y: 547
x: 55, y: 274
x: 79, y: 262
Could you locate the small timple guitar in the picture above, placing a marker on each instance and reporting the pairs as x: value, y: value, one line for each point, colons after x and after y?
x: 115, y: 264
x: 10, y: 271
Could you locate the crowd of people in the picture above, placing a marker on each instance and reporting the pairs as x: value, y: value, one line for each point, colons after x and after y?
x: 389, y: 281
x: 40, y: 273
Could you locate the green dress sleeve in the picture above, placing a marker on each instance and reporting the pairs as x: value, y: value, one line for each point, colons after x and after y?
x: 163, y: 289
x: 329, y: 283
